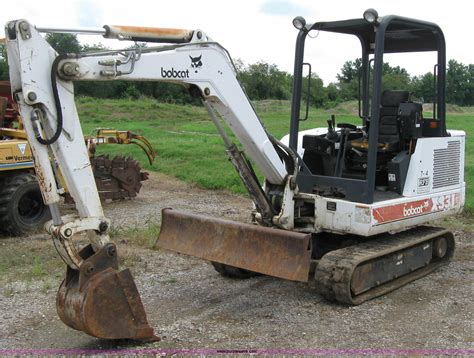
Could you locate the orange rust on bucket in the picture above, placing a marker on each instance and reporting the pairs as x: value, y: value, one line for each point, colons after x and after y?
x: 101, y: 301
x: 270, y: 251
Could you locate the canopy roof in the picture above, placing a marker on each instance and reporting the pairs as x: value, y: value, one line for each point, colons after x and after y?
x: 401, y: 34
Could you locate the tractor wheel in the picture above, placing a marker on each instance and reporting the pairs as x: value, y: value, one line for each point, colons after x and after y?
x: 21, y: 205
x: 233, y: 272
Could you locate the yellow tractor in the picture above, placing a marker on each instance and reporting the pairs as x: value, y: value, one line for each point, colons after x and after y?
x: 21, y: 204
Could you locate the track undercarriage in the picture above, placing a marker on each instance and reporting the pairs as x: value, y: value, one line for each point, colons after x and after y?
x: 372, y: 267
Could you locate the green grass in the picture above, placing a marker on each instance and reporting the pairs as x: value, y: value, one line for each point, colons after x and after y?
x: 29, y: 261
x: 36, y: 260
x: 190, y: 149
x: 142, y: 236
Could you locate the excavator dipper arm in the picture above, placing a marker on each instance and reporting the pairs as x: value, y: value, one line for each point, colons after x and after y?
x: 94, y: 297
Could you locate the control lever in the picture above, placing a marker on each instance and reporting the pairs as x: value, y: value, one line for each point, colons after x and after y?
x: 332, y: 135
x: 341, y: 154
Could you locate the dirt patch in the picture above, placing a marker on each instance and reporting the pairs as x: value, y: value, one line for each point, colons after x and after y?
x: 161, y: 191
x: 191, y: 306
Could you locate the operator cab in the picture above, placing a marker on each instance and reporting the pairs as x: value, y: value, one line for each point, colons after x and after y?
x: 369, y: 162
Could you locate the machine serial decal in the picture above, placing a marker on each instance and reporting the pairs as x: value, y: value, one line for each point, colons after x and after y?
x: 403, y: 211
x: 423, y: 185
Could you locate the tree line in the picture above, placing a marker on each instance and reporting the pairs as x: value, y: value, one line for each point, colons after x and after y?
x: 262, y: 80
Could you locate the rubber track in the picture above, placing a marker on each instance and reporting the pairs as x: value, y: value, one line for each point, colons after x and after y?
x: 233, y: 272
x: 335, y: 269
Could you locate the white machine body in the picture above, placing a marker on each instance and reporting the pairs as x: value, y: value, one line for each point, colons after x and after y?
x: 434, y: 189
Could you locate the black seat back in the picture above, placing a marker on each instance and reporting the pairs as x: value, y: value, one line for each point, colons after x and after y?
x: 388, y: 124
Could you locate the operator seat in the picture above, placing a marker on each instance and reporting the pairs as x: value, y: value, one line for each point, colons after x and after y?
x: 389, y: 132
x: 388, y: 139
x: 389, y: 127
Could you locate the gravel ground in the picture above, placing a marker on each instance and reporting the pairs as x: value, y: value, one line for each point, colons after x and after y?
x: 191, y: 306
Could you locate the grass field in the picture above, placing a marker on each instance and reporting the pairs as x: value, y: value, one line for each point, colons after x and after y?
x: 190, y: 149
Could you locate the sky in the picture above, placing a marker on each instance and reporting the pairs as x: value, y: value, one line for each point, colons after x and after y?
x: 259, y: 30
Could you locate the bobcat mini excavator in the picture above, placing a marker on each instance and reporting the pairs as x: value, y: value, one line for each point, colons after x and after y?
x: 342, y: 207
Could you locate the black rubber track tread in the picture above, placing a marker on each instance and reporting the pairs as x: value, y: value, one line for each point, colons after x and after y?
x: 233, y: 272
x: 9, y: 186
x: 334, y: 271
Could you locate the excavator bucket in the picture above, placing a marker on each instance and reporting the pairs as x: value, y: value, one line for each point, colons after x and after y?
x: 102, y: 301
x: 269, y: 251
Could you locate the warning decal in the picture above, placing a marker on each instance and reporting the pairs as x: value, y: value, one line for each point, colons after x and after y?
x: 22, y: 148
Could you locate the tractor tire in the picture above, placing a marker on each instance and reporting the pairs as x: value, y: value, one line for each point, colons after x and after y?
x: 21, y: 204
x: 233, y: 272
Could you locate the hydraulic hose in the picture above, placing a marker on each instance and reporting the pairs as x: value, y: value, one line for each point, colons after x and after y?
x: 287, y: 154
x: 57, y: 103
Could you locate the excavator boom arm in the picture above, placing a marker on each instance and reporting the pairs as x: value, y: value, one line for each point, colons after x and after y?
x: 200, y: 65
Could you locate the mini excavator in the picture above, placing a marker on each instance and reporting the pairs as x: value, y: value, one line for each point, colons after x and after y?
x: 344, y: 208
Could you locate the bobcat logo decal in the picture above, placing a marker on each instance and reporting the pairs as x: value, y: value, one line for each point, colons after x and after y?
x: 196, y: 62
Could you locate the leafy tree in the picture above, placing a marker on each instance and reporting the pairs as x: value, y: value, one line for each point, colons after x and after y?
x: 4, y: 74
x: 239, y: 65
x: 424, y: 88
x: 348, y: 79
x: 459, y: 82
x: 266, y: 81
x: 332, y: 92
x: 317, y: 94
x: 395, y: 78
x: 470, y: 86
x: 262, y: 81
x: 350, y: 71
x: 348, y: 90
x: 64, y: 43
x: 94, y: 47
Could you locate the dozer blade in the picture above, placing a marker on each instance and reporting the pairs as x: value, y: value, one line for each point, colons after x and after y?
x: 269, y: 251
x: 101, y: 301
